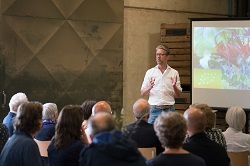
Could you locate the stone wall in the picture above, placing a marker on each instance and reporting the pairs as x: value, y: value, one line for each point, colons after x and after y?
x: 142, y: 21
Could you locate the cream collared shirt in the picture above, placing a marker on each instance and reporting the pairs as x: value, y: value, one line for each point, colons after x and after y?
x: 163, y: 92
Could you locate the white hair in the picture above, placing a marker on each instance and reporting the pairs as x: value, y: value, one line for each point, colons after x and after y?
x: 236, y: 117
x: 17, y: 100
x: 49, y: 110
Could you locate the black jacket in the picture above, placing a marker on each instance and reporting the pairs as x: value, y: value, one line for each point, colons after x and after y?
x: 111, y: 149
x: 143, y: 134
x: 212, y: 153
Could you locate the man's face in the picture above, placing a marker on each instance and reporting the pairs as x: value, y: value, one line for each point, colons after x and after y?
x: 161, y: 57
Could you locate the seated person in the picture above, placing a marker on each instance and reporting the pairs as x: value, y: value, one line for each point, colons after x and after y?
x: 237, y: 141
x: 199, y: 144
x: 50, y: 114
x: 68, y: 142
x: 141, y: 131
x: 4, y: 135
x: 212, y: 133
x: 87, y: 106
x: 100, y: 106
x: 16, y: 100
x: 108, y: 146
x: 21, y: 149
x: 171, y: 129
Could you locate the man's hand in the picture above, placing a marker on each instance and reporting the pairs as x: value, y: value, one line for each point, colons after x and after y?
x: 174, y: 80
x: 152, y: 82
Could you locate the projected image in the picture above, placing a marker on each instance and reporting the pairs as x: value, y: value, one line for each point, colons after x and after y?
x: 221, y: 57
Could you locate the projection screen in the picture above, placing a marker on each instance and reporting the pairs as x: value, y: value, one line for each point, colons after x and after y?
x: 220, y: 53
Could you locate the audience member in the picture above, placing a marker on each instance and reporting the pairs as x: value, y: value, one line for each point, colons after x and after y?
x: 50, y: 114
x: 141, y: 131
x: 109, y: 147
x: 15, y: 101
x: 171, y: 130
x: 67, y: 143
x: 21, y: 149
x: 212, y: 133
x: 199, y: 144
x: 4, y: 135
x: 101, y: 106
x: 237, y: 141
x: 87, y: 106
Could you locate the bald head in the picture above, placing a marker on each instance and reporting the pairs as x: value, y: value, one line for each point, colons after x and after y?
x: 196, y: 120
x: 101, y: 122
x: 141, y: 109
x: 101, y: 106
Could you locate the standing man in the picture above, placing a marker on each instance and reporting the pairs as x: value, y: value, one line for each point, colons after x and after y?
x: 162, y: 84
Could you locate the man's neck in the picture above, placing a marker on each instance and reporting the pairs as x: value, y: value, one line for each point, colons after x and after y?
x: 162, y: 67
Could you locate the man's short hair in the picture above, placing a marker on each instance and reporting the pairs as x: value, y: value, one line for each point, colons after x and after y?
x: 16, y: 100
x: 163, y: 47
x: 141, y: 108
x: 210, y: 116
x: 101, y: 122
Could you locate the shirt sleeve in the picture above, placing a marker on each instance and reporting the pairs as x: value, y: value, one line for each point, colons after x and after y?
x: 146, y: 80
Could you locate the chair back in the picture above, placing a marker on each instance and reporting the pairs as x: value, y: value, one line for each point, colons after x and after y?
x: 239, y: 158
x: 148, y: 153
x: 43, y: 146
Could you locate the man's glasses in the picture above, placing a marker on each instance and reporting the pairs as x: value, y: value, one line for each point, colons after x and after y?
x: 160, y: 54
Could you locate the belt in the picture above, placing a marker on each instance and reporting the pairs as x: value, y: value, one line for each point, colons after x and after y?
x: 162, y: 106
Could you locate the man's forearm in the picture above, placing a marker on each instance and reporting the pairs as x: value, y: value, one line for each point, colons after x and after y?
x: 145, y: 91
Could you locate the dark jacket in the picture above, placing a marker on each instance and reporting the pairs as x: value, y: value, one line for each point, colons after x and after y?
x: 67, y: 156
x: 9, y: 121
x: 111, y: 149
x: 143, y: 134
x: 20, y: 150
x: 47, y: 131
x: 212, y: 153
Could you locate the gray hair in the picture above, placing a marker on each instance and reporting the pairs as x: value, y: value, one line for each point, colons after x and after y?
x: 17, y: 100
x: 163, y: 47
x: 101, y: 122
x: 236, y: 117
x: 49, y: 110
x: 141, y: 108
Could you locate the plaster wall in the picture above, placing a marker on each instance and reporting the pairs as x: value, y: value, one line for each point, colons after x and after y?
x: 142, y: 20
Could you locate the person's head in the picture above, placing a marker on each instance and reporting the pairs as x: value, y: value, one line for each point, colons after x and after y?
x: 236, y: 117
x: 16, y: 100
x: 29, y: 118
x: 171, y: 129
x: 196, y: 121
x: 210, y: 116
x: 101, y: 106
x: 50, y: 111
x: 101, y: 122
x: 68, y: 127
x: 162, y: 54
x: 87, y: 108
x: 141, y: 109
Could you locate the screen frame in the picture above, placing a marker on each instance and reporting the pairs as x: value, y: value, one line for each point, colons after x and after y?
x: 191, y: 53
